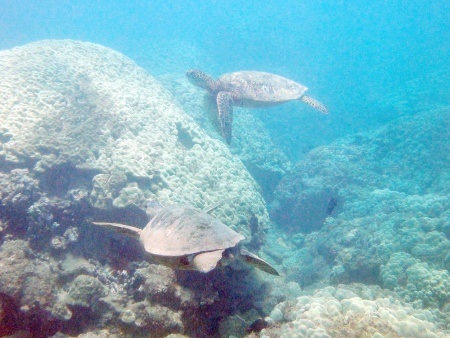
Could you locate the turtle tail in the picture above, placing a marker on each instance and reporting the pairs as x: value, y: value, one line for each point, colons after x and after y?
x: 202, y: 80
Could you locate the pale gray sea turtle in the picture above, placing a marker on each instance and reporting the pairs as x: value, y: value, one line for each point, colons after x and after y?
x: 187, y: 238
x: 249, y: 89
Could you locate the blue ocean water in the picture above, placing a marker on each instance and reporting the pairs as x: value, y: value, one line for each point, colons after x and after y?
x: 359, y: 58
x: 371, y: 208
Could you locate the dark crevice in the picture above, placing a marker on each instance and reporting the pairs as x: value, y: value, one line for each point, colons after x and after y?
x: 37, y: 322
x: 59, y: 179
x: 266, y: 179
x: 184, y: 137
x: 145, y: 183
x: 23, y: 163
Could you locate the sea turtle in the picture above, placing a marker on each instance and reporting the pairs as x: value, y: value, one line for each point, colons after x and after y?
x: 249, y: 89
x: 183, y: 237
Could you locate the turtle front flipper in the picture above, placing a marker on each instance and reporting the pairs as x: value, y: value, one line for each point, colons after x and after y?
x: 257, y: 262
x: 225, y: 107
x: 314, y: 103
x: 122, y: 228
x: 202, y: 80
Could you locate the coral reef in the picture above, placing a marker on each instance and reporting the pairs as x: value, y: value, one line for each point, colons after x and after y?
x: 260, y: 155
x: 18, y: 190
x: 28, y: 290
x: 72, y: 295
x: 417, y: 282
x: 353, y: 310
x: 389, y: 225
x: 95, y: 112
x: 390, y: 158
x: 86, y: 134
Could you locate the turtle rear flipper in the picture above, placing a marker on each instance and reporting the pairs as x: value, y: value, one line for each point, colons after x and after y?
x: 257, y: 262
x: 122, y: 228
x: 207, y: 261
x: 314, y: 103
x: 225, y: 108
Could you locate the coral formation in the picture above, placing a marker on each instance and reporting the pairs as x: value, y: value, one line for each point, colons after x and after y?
x: 151, y: 298
x: 29, y: 283
x: 354, y: 310
x: 389, y: 158
x: 390, y: 223
x: 417, y: 282
x: 94, y: 112
x: 87, y: 134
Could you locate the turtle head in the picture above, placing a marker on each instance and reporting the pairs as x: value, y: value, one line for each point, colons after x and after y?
x: 153, y: 207
x: 201, y: 79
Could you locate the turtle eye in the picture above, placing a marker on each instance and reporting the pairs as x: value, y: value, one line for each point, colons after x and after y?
x: 227, y: 254
x: 184, y: 260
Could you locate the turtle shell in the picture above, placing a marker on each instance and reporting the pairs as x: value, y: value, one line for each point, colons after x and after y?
x: 253, y: 86
x: 179, y: 231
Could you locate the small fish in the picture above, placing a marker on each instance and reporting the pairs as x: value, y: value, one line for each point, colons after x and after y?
x: 331, y: 205
x: 257, y: 326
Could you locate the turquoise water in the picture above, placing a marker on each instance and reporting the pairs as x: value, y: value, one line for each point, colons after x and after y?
x: 361, y: 195
x: 357, y: 57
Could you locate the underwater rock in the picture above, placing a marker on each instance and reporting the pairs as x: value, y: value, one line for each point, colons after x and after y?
x: 159, y: 284
x: 72, y: 266
x: 88, y: 134
x: 18, y: 190
x: 417, y: 282
x: 106, y: 188
x: 379, y: 239
x: 159, y: 319
x: 98, y: 334
x: 30, y: 282
x: 14, y: 265
x: 58, y: 243
x: 385, y: 209
x: 345, y: 311
x: 257, y: 325
x: 308, y: 209
x: 130, y: 196
x: 85, y: 291
x: 51, y: 220
x: 236, y: 325
x: 260, y: 155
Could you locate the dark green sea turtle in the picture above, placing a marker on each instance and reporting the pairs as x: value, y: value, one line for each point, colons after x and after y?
x: 249, y: 89
x: 187, y: 238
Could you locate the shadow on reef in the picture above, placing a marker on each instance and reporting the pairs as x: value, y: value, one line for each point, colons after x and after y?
x: 36, y: 321
x: 232, y: 295
x: 301, y: 208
